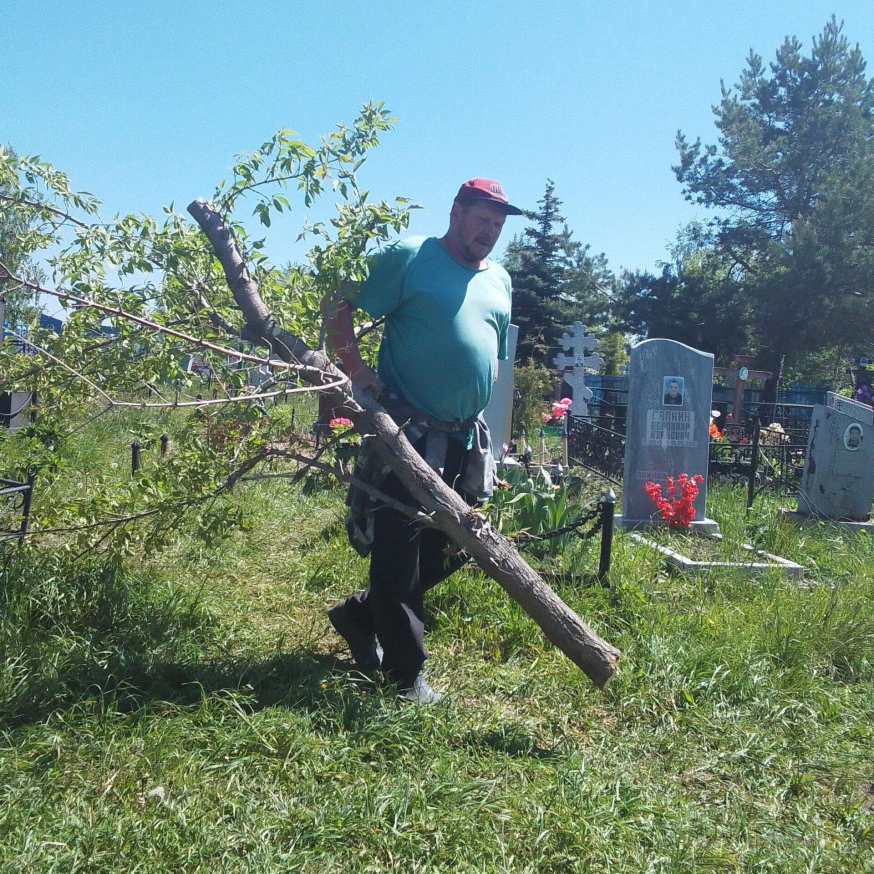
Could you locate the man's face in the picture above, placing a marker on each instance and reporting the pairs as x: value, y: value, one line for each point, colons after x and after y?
x: 478, y: 228
x: 674, y: 389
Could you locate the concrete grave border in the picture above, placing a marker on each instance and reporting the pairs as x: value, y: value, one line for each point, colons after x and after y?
x: 753, y: 568
x: 800, y: 519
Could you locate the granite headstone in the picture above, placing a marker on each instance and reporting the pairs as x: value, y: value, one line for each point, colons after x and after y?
x: 667, y: 433
x: 838, y: 480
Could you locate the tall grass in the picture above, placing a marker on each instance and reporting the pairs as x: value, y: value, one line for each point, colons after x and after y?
x: 190, y: 710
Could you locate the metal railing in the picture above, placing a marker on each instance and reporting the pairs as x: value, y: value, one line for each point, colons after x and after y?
x: 598, y: 449
x: 763, y: 461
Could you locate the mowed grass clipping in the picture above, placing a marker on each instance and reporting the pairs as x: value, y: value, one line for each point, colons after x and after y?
x: 191, y: 711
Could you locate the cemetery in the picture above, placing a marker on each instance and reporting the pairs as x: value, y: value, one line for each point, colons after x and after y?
x: 339, y: 536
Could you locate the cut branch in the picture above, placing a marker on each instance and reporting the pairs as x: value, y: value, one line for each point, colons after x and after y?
x: 467, y: 528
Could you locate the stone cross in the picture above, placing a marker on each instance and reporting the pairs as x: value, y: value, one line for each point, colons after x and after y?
x: 578, y: 343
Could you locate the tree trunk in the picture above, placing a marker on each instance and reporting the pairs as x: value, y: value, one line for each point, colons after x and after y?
x: 467, y: 528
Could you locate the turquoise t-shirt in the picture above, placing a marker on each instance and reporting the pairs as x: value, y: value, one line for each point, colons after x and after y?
x: 445, y: 326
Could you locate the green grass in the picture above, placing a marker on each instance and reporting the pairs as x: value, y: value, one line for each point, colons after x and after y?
x: 191, y: 711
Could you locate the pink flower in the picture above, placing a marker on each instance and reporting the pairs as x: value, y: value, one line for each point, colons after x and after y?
x: 565, y: 402
x: 558, y: 411
x: 340, y: 420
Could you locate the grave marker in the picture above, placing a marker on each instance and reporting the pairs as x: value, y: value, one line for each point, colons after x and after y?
x: 670, y: 387
x: 574, y: 366
x: 838, y: 480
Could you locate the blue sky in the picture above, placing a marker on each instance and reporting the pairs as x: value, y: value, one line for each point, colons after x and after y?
x: 146, y: 103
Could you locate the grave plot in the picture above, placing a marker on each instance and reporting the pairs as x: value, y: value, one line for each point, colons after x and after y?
x: 699, y: 552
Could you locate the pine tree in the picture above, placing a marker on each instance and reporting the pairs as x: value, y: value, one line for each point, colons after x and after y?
x: 555, y: 280
x: 793, y: 184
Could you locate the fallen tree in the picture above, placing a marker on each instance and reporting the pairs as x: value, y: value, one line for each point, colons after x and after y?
x: 190, y: 310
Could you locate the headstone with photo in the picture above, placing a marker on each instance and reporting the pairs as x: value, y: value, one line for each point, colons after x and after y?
x: 838, y: 479
x: 667, y: 433
x: 574, y: 366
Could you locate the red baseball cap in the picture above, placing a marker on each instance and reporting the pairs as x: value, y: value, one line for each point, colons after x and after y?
x: 489, y: 190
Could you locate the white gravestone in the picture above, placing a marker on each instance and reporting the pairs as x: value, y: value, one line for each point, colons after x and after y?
x: 667, y: 430
x: 838, y: 480
x: 574, y: 366
x: 499, y: 412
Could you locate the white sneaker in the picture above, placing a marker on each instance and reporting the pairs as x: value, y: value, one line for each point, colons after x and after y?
x: 420, y: 692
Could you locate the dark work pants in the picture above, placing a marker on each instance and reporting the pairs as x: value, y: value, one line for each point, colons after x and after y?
x: 405, y: 561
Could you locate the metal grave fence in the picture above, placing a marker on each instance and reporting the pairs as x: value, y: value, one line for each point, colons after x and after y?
x: 763, y: 459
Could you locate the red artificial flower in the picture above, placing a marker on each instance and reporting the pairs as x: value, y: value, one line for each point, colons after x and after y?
x: 677, y: 512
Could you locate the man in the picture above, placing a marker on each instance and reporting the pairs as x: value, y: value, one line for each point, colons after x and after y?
x: 447, y: 312
x: 673, y: 397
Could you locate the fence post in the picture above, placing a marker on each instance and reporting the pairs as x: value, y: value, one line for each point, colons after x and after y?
x: 564, y: 453
x: 134, y: 457
x: 754, y: 462
x: 608, y: 509
x: 28, y: 497
x: 164, y: 440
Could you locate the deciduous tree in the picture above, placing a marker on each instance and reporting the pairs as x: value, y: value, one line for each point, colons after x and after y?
x: 174, y: 288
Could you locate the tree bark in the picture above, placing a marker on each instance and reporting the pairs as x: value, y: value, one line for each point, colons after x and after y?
x: 467, y: 528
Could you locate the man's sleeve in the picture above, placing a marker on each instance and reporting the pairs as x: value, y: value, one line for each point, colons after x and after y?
x: 382, y: 291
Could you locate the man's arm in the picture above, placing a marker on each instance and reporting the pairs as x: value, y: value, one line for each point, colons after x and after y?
x: 343, y: 342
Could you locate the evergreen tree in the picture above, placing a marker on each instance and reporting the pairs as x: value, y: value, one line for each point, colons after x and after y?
x: 555, y: 280
x: 696, y: 299
x: 792, y: 180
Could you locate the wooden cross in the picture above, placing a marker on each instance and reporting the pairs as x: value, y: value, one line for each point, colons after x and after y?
x: 578, y: 343
x: 742, y: 364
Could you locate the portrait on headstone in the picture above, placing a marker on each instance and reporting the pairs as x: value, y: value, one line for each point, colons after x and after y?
x: 672, y: 391
x: 853, y: 437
